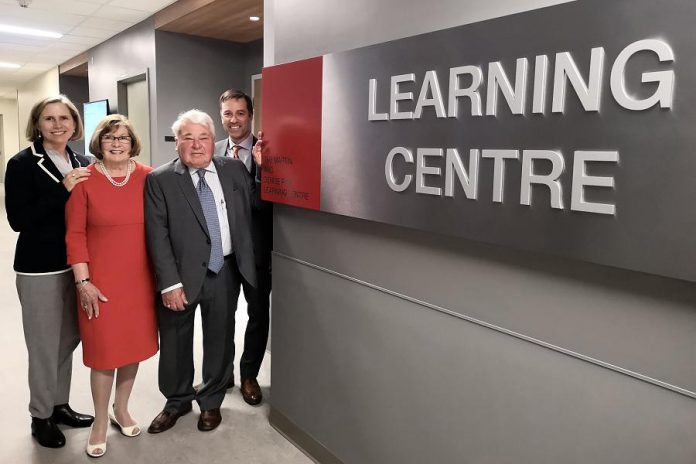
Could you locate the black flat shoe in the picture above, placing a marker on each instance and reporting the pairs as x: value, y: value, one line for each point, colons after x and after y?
x: 47, y: 433
x: 63, y: 414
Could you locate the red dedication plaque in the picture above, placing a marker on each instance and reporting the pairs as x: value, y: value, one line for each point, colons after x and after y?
x: 292, y: 131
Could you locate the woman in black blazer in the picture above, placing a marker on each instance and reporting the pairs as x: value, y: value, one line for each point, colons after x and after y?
x: 38, y: 183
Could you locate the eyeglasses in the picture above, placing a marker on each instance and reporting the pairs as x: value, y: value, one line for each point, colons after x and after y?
x: 108, y: 138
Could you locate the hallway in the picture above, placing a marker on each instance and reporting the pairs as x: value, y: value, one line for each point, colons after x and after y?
x: 244, y: 435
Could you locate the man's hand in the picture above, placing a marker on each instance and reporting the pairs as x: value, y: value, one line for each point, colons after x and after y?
x: 258, y: 150
x: 175, y: 300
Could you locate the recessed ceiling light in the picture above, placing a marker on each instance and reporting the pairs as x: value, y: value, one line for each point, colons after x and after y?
x: 29, y: 31
x: 254, y: 18
x: 9, y: 65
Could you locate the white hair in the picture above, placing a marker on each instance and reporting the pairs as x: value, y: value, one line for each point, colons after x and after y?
x: 194, y: 116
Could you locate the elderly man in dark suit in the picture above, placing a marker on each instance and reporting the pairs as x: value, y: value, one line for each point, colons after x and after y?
x: 197, y: 216
x: 236, y: 114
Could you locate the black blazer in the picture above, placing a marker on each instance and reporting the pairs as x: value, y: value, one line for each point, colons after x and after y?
x: 35, y: 200
x: 177, y: 234
x: 261, y: 218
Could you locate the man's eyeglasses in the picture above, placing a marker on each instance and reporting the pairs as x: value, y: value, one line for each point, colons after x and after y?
x: 108, y: 138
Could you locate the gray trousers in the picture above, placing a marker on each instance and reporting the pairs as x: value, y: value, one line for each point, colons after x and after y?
x: 49, y: 317
x: 218, y: 301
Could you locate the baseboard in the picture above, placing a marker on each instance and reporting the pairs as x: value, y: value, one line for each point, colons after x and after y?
x: 303, y: 441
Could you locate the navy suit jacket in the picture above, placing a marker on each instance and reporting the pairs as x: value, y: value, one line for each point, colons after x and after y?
x: 35, y: 200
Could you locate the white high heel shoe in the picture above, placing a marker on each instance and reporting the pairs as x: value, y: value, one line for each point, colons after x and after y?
x: 131, y: 431
x: 97, y: 450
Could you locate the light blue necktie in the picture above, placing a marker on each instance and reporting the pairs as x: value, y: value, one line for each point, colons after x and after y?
x: 211, y: 218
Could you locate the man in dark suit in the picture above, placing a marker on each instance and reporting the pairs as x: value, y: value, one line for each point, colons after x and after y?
x: 237, y: 113
x: 197, y: 216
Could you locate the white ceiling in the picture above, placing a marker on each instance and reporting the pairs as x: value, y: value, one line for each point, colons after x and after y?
x: 84, y: 23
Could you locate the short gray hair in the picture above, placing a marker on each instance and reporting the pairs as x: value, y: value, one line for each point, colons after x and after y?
x: 193, y: 116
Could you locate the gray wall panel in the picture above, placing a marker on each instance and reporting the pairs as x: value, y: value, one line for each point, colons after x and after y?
x: 600, y: 312
x: 76, y: 88
x: 375, y: 378
x: 394, y: 382
x: 193, y: 72
x: 128, y: 54
x: 184, y: 72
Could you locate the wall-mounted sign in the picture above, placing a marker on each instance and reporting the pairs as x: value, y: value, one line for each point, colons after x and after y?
x: 569, y: 130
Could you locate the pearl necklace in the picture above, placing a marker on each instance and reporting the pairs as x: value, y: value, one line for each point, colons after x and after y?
x: 104, y: 171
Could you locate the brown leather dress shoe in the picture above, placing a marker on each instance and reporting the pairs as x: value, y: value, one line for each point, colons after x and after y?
x: 251, y: 392
x: 209, y: 420
x: 166, y: 420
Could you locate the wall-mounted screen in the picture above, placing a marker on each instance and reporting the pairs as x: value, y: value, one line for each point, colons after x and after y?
x: 94, y: 112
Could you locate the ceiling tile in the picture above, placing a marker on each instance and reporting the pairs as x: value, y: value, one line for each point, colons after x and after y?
x: 79, y: 39
x: 121, y: 14
x: 38, y: 19
x: 143, y: 5
x: 78, y: 7
x: 91, y: 32
x: 106, y: 24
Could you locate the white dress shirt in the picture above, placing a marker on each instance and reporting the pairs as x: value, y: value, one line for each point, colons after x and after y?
x: 64, y: 166
x: 244, y: 153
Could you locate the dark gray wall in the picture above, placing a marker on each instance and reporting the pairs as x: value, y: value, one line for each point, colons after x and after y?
x: 128, y: 54
x: 184, y: 72
x: 192, y: 73
x: 254, y: 60
x: 425, y: 348
x: 76, y: 88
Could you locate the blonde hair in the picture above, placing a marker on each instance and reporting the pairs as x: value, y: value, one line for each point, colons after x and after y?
x: 33, y: 133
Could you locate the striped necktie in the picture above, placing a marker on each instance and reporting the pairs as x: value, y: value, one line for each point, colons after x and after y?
x: 235, y: 152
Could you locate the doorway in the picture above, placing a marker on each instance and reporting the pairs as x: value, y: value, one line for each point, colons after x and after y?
x: 134, y: 102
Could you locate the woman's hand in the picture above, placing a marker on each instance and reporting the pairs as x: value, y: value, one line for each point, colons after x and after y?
x: 74, y: 177
x: 90, y: 296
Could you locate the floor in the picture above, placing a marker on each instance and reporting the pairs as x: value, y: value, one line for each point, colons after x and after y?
x: 244, y: 435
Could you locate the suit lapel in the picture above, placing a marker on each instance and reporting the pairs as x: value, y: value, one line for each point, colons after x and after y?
x: 228, y: 188
x: 186, y: 185
x: 44, y: 162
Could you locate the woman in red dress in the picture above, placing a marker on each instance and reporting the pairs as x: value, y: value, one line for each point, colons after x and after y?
x: 106, y: 248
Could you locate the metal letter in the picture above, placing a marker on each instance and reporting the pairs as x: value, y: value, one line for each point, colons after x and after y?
x: 430, y: 83
x: 397, y: 96
x: 589, y: 94
x: 453, y: 164
x: 665, y: 79
x: 422, y: 170
x: 581, y: 180
x: 499, y: 169
x: 389, y: 169
x: 470, y: 92
x: 541, y: 68
x: 550, y: 180
x: 497, y: 79
x: 372, y: 114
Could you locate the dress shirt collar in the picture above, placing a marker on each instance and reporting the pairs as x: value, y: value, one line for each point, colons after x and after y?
x: 209, y: 168
x: 246, y: 143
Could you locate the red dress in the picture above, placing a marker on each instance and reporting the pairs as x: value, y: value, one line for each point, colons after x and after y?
x: 106, y: 229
